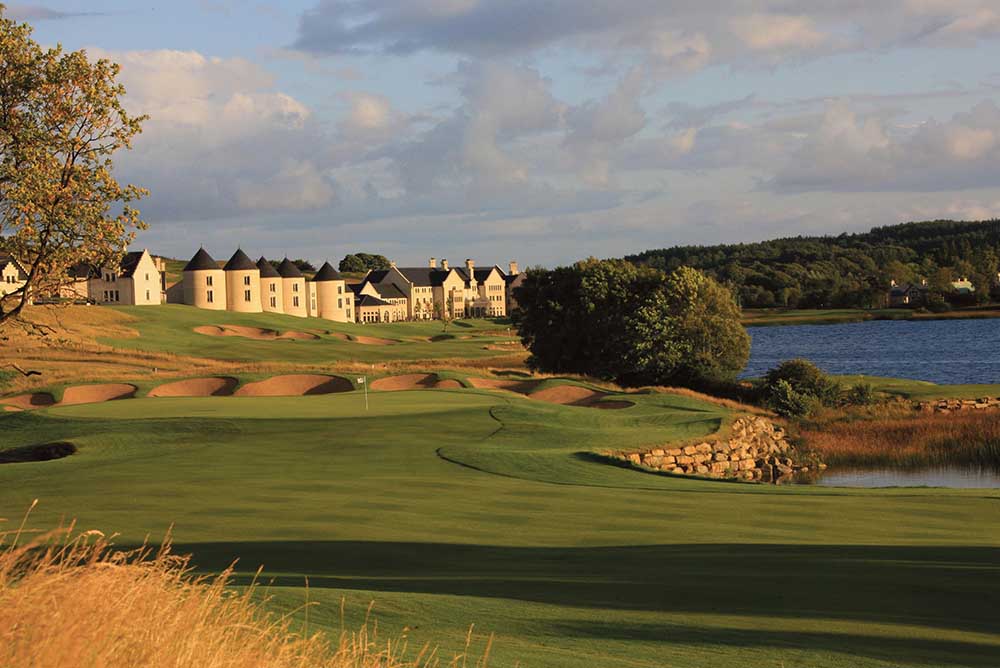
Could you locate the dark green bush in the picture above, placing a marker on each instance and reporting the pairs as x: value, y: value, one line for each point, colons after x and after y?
x: 805, y: 378
x: 861, y: 394
x: 786, y: 401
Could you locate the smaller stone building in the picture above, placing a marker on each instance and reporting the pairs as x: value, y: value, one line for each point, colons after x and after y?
x: 271, y: 288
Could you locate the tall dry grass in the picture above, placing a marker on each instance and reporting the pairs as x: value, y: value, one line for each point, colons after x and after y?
x: 70, y: 599
x: 897, y: 436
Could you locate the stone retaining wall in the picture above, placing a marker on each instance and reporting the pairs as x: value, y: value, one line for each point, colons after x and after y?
x: 755, y: 451
x: 954, y: 405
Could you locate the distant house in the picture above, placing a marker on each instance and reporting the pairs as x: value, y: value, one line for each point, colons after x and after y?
x: 135, y: 281
x: 12, y: 275
x: 908, y: 294
x: 963, y: 287
x: 438, y: 290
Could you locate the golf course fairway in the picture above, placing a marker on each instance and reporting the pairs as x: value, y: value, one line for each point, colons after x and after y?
x: 449, y: 508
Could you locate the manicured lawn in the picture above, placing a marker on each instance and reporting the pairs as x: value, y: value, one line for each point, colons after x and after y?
x: 921, y: 390
x: 170, y: 328
x: 454, y: 507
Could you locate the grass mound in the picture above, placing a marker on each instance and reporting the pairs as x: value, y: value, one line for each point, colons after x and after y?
x: 145, y: 608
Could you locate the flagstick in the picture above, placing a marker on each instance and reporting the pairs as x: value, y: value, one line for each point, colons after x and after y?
x: 366, y: 393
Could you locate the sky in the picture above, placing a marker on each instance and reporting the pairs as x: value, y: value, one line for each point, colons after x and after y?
x: 543, y: 131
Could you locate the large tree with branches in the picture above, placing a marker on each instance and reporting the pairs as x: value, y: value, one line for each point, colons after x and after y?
x: 61, y: 121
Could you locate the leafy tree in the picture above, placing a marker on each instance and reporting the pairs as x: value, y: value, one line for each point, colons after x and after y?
x: 635, y: 325
x: 849, y: 270
x: 61, y: 121
x: 786, y: 401
x: 361, y: 262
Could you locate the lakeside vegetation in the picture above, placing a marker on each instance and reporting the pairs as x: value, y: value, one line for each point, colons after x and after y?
x: 895, y: 436
x: 784, y: 316
x: 848, y: 270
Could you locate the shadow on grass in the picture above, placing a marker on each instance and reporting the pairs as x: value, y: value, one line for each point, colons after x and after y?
x: 941, y: 587
x: 932, y: 652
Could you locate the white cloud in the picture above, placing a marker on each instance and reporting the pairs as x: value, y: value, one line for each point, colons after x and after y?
x: 778, y: 32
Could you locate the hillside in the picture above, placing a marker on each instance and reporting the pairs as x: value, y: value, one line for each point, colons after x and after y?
x: 849, y: 270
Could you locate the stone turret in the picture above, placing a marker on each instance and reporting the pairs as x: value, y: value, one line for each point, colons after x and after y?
x: 271, y: 288
x: 333, y: 300
x: 242, y: 284
x: 204, y: 282
x: 293, y: 289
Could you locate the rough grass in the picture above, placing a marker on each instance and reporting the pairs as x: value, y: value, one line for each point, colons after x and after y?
x: 898, y: 436
x: 779, y: 316
x: 73, y: 599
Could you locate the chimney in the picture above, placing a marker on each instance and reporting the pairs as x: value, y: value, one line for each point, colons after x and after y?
x: 470, y: 268
x: 513, y: 268
x: 434, y: 263
x: 392, y: 264
x: 892, y: 283
x: 923, y: 281
x: 444, y: 264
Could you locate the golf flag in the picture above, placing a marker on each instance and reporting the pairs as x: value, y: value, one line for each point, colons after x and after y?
x: 361, y: 381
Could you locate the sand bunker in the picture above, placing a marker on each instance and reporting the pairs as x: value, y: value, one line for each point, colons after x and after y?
x: 37, y: 453
x: 364, y: 340
x: 448, y: 384
x: 295, y: 385
x: 255, y: 333
x: 574, y: 395
x: 27, y: 402
x: 413, y: 381
x: 92, y: 394
x: 197, y: 387
x: 519, y: 386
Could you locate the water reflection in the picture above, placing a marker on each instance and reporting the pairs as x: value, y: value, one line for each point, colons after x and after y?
x: 943, y: 476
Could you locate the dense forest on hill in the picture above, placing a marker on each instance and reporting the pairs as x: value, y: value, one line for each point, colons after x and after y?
x: 849, y: 270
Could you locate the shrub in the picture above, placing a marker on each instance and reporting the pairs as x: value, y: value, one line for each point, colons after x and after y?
x: 786, y: 401
x: 805, y: 378
x: 861, y: 394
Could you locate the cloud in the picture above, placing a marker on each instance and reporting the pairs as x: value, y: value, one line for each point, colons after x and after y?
x: 668, y: 37
x: 220, y: 140
x: 19, y: 12
x: 848, y: 152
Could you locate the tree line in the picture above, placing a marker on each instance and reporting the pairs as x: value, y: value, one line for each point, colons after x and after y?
x: 849, y: 270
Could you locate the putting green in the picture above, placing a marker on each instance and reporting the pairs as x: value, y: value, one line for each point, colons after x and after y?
x: 454, y: 507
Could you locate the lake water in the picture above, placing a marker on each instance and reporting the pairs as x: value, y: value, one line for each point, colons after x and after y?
x: 940, y: 351
x: 945, y: 476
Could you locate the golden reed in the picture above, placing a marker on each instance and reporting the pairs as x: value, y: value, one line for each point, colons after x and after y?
x: 69, y: 598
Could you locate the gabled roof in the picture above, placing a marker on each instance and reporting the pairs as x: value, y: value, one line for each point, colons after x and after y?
x: 368, y: 300
x: 326, y: 273
x: 288, y: 269
x: 389, y: 291
x: 129, y: 263
x: 420, y: 276
x: 201, y: 261
x: 7, y: 260
x: 267, y: 269
x: 240, y: 261
x: 906, y: 287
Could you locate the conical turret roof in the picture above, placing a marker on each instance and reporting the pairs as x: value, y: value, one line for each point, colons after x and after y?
x: 326, y: 273
x: 240, y: 261
x: 287, y: 269
x: 201, y: 261
x: 267, y: 269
